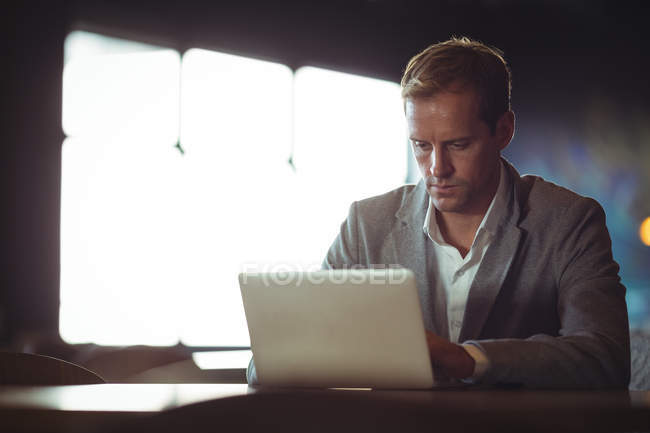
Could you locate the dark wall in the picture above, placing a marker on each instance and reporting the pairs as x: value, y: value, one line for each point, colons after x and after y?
x: 30, y: 167
x: 567, y: 58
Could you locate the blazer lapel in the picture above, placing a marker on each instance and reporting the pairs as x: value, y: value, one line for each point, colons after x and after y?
x: 411, y: 248
x: 494, y: 267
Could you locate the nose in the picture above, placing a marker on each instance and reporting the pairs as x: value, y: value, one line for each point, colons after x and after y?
x: 441, y: 166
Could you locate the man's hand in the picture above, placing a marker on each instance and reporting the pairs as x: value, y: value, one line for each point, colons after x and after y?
x: 452, y: 358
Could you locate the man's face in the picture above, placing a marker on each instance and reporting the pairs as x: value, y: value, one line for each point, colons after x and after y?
x: 457, y: 154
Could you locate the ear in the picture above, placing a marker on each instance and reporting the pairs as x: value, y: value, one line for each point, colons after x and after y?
x: 505, y: 129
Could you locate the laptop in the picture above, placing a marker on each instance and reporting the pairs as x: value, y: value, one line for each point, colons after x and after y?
x: 354, y: 328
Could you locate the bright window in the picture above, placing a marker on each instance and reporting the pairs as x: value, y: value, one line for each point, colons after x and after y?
x: 120, y: 113
x: 236, y: 130
x: 178, y: 173
x: 350, y: 143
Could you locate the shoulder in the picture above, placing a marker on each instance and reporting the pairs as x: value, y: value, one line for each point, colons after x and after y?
x: 368, y: 224
x: 544, y: 202
x: 384, y: 206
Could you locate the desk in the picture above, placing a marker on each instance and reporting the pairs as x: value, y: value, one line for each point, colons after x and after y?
x: 90, y: 408
x: 84, y: 408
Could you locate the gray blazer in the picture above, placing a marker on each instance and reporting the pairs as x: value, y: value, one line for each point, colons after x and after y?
x: 546, y: 305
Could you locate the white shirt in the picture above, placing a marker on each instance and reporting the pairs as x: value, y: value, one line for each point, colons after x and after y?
x: 455, y: 274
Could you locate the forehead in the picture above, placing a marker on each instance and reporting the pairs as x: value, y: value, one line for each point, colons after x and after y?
x: 445, y: 112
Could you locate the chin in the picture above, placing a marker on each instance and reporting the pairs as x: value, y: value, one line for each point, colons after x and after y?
x: 447, y: 205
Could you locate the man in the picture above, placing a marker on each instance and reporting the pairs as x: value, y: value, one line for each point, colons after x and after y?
x: 515, y: 274
x: 517, y: 269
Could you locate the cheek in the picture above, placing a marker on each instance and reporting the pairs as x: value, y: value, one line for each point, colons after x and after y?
x: 469, y: 167
x: 479, y: 167
x: 423, y: 161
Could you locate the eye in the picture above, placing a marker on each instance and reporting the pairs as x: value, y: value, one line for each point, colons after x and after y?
x: 421, y: 145
x: 459, y: 145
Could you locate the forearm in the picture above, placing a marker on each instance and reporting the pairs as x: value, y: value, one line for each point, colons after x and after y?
x: 543, y: 361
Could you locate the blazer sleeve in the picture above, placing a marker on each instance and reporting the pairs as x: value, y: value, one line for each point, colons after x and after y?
x: 251, y: 373
x: 592, y: 349
x: 344, y: 251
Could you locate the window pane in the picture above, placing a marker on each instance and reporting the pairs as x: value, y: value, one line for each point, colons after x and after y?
x: 153, y: 236
x: 119, y: 177
x: 235, y: 106
x: 350, y: 143
x: 236, y: 131
x: 120, y: 88
x: 119, y: 242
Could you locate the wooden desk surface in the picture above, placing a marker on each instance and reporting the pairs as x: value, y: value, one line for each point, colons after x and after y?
x: 92, y: 407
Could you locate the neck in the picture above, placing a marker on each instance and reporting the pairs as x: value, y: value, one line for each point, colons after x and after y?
x: 459, y: 228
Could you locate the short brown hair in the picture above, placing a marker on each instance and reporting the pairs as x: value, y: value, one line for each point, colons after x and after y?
x: 468, y: 63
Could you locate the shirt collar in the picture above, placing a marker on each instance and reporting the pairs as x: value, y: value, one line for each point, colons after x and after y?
x: 494, y: 214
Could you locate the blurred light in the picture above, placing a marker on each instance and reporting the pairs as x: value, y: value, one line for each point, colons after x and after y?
x: 644, y: 231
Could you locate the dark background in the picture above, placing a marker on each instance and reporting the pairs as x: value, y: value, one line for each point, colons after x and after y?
x: 580, y: 92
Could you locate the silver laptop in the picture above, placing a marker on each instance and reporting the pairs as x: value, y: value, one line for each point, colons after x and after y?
x: 357, y: 328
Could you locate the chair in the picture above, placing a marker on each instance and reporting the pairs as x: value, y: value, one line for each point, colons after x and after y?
x: 30, y: 369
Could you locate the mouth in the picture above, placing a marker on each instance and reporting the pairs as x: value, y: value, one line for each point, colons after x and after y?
x: 442, y: 187
x: 443, y: 190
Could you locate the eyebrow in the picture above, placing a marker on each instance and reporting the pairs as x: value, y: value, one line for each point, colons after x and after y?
x: 453, y: 140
